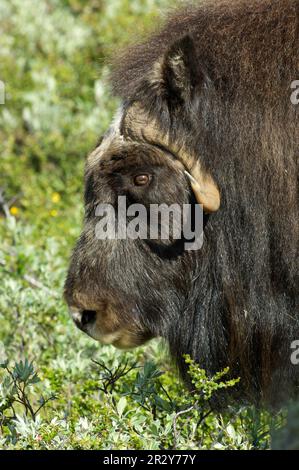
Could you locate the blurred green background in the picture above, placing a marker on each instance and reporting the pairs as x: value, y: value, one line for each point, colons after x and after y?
x: 54, y: 58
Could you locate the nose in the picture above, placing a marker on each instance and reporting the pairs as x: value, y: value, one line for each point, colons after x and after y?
x: 83, y: 318
x: 88, y: 316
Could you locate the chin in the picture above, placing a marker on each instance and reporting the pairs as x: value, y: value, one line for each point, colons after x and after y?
x: 120, y: 339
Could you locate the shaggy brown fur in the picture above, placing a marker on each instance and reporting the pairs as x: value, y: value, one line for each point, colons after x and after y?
x: 217, y: 77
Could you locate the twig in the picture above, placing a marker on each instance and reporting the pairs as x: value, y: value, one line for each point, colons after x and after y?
x: 166, y: 393
x: 3, y: 204
x: 175, y: 418
x: 52, y: 397
x: 113, y: 375
x: 33, y: 281
x: 39, y: 285
x: 204, y: 416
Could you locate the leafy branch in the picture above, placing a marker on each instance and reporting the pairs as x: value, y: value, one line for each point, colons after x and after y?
x: 15, y: 389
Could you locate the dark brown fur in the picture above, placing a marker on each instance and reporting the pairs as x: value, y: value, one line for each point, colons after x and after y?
x: 234, y: 112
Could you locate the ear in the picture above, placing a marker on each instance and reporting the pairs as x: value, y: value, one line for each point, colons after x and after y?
x: 177, y: 73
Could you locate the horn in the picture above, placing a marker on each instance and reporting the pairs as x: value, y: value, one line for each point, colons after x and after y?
x: 138, y: 125
x: 205, y: 193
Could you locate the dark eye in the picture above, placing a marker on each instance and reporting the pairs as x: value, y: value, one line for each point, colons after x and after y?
x: 141, y: 180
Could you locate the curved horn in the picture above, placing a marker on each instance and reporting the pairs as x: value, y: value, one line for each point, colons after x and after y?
x: 138, y: 125
x: 205, y: 193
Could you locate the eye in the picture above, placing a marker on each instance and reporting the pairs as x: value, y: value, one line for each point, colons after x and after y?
x: 141, y: 180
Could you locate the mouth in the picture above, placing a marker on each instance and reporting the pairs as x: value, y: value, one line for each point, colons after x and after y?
x: 121, y: 337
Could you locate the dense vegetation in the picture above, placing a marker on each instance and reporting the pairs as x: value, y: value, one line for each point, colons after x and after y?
x: 59, y: 389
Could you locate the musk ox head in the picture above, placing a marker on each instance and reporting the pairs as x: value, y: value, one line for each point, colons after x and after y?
x: 122, y: 290
x: 206, y: 115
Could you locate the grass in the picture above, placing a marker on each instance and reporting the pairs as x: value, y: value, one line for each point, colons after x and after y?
x: 59, y: 389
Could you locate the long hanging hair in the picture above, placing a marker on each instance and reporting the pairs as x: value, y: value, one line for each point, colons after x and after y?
x: 243, y: 310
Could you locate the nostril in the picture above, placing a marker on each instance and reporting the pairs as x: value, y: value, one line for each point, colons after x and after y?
x: 88, y: 316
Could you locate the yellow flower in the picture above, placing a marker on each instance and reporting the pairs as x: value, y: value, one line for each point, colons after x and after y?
x: 53, y: 213
x: 55, y: 198
x: 14, y: 210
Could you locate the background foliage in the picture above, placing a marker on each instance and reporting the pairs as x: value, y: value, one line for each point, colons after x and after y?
x: 60, y: 389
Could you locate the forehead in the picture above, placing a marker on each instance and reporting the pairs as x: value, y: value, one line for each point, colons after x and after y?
x: 126, y: 141
x: 136, y: 133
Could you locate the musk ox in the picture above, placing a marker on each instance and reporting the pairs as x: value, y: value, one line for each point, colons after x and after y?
x: 207, y: 117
